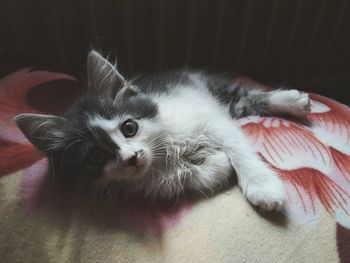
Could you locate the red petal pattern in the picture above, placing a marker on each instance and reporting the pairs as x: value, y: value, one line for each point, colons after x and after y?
x: 318, y: 187
x: 282, y: 143
x: 16, y: 156
x: 313, y: 161
x: 342, y: 161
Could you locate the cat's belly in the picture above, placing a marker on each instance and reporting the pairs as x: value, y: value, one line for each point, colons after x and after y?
x: 196, y: 152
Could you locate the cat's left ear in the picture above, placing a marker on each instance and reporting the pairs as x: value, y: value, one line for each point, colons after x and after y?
x: 103, y: 77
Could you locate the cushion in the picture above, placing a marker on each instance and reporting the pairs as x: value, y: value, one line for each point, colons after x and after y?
x: 312, y: 159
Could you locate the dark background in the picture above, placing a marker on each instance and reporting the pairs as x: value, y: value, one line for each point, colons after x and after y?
x: 305, y: 43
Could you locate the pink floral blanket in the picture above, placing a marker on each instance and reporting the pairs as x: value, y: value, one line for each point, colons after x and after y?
x: 313, y: 160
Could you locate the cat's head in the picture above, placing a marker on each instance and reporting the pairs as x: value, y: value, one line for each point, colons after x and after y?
x: 110, y: 133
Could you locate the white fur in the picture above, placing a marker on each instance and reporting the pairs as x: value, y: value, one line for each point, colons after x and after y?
x: 290, y: 102
x: 202, y: 147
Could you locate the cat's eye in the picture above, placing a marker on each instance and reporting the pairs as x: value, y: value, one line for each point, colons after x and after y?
x: 97, y: 157
x: 129, y: 128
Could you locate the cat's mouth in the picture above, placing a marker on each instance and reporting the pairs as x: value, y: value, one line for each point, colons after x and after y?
x: 114, y: 172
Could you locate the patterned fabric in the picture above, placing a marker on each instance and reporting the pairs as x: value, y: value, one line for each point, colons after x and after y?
x: 313, y: 160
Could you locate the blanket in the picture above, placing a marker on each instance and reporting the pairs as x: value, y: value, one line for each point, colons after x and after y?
x: 41, y: 224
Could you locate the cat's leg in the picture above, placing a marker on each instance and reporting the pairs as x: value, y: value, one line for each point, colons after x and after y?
x: 213, y: 173
x: 259, y: 183
x: 292, y: 102
x: 277, y: 102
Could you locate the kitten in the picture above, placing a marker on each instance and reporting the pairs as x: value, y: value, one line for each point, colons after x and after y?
x: 162, y: 135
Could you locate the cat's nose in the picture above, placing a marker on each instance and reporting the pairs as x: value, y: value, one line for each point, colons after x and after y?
x: 133, y: 160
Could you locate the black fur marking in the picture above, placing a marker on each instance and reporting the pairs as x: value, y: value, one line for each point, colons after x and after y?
x: 161, y: 82
x: 242, y: 101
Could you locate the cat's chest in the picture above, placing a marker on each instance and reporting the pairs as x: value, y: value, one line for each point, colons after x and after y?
x: 193, y: 119
x: 189, y: 111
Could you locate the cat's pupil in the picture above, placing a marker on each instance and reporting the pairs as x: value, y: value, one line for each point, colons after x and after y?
x: 129, y: 128
x: 97, y: 157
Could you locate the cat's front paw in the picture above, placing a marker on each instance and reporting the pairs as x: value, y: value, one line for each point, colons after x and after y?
x: 268, y: 195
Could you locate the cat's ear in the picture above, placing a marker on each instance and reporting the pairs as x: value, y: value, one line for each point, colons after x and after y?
x: 103, y: 76
x: 45, y: 132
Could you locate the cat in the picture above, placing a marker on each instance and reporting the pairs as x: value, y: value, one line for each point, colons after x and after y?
x: 162, y: 135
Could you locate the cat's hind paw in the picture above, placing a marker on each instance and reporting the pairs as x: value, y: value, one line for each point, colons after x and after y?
x: 292, y: 102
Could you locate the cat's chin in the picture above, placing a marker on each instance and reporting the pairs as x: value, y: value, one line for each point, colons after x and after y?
x: 113, y: 173
x: 140, y: 171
